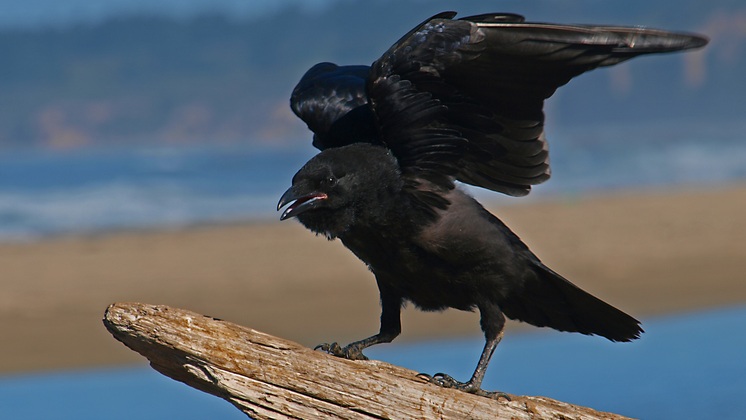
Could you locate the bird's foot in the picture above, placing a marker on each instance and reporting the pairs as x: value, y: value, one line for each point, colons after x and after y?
x: 351, y: 352
x: 447, y: 381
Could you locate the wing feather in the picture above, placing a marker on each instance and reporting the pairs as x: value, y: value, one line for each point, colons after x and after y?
x: 463, y: 99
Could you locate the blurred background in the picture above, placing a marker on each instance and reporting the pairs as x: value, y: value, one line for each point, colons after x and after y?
x: 144, y: 145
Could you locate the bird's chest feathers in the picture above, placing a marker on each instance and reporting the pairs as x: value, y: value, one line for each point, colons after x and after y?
x: 383, y: 250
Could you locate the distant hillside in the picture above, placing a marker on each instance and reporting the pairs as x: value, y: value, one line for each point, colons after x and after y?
x: 214, y: 79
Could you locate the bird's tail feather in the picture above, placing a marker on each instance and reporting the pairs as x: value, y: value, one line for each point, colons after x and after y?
x: 549, y: 300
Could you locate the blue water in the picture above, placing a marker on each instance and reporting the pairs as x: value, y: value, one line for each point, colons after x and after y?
x: 47, y: 193
x: 690, y: 366
x: 123, y: 393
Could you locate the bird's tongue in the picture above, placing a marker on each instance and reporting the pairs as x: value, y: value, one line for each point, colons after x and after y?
x: 301, y: 205
x: 299, y: 202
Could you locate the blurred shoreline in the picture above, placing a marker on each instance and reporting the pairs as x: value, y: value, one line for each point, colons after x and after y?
x: 649, y: 252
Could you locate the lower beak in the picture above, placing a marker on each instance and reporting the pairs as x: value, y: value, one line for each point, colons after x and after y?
x: 299, y: 203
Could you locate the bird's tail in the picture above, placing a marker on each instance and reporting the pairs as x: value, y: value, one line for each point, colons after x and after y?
x: 549, y: 300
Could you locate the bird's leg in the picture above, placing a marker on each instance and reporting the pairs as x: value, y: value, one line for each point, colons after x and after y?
x: 390, y: 329
x: 492, y: 322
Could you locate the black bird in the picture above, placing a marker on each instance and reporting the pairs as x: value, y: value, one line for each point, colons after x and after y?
x: 452, y: 100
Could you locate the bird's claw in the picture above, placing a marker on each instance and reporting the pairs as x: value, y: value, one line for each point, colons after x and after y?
x: 350, y: 352
x: 447, y: 381
x: 440, y: 379
x: 332, y: 348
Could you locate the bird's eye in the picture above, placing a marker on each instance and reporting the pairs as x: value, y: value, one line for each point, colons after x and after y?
x: 330, y: 181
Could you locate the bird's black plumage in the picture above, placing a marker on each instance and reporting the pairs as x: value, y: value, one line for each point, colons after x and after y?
x: 452, y: 100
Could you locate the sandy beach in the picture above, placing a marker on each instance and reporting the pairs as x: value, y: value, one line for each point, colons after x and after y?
x: 649, y: 253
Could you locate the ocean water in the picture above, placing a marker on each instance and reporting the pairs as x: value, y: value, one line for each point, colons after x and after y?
x: 47, y: 193
x: 684, y: 367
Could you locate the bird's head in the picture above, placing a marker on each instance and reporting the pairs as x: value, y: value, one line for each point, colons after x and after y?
x: 341, y: 186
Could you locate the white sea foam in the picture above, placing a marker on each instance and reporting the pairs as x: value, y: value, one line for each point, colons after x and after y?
x: 26, y: 215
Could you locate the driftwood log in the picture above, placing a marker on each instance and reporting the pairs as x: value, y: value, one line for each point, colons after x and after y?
x: 272, y: 378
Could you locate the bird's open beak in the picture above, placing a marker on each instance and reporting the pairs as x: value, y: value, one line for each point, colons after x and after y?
x: 299, y: 203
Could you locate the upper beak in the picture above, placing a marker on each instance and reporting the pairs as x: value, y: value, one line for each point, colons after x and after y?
x: 299, y: 202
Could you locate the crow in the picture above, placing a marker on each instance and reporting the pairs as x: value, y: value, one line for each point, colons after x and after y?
x: 452, y: 100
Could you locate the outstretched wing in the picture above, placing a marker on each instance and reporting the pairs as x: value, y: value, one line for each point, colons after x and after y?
x: 463, y: 98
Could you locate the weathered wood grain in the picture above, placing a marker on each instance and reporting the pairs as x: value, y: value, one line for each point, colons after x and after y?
x: 268, y: 377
